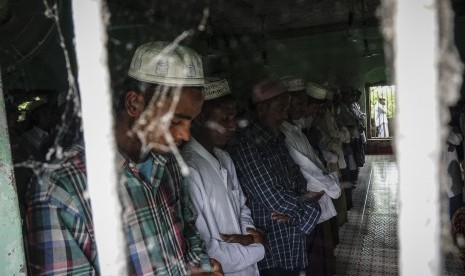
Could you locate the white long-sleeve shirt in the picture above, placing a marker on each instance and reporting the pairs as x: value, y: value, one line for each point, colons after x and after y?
x: 312, y: 169
x: 220, y: 203
x: 332, y: 138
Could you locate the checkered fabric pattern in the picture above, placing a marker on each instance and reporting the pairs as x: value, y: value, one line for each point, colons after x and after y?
x: 272, y: 182
x: 157, y: 214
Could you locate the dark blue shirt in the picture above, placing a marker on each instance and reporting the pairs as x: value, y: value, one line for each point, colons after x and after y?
x: 272, y: 182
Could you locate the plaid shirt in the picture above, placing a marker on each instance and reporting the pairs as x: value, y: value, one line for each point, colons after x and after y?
x: 272, y: 182
x: 158, y: 221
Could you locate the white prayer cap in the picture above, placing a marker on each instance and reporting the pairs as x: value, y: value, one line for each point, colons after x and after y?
x: 316, y: 92
x: 293, y: 83
x: 215, y: 88
x: 167, y: 63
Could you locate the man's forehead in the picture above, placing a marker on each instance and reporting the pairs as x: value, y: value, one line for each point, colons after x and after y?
x: 228, y: 107
x: 189, y: 104
x: 299, y: 94
x: 281, y: 101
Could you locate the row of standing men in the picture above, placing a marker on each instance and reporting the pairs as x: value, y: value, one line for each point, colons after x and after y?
x: 262, y: 200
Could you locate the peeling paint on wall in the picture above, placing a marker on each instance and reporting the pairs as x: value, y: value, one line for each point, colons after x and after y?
x: 12, y: 261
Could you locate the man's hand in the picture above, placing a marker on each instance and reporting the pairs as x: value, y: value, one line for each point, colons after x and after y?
x: 257, y: 234
x: 279, y: 217
x: 315, y: 196
x: 450, y: 148
x: 217, y: 270
x: 237, y: 238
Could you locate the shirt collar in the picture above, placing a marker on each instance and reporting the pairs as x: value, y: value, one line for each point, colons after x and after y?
x: 145, y: 167
x: 39, y: 131
x: 122, y: 160
x: 197, y: 147
x: 286, y: 126
x: 258, y: 130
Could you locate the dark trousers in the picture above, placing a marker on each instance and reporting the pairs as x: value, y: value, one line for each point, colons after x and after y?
x: 455, y: 203
x: 316, y: 252
x: 349, y: 202
x: 277, y: 271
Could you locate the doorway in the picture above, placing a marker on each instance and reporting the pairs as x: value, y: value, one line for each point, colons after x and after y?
x: 381, y: 110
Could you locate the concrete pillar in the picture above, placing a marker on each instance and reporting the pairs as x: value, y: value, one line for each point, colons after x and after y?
x: 12, y: 260
x: 94, y: 83
x: 415, y: 29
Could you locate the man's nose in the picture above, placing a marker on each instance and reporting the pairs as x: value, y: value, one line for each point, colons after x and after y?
x: 231, y: 126
x: 184, y: 134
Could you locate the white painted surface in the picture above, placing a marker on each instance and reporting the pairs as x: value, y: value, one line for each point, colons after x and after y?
x: 97, y: 118
x: 418, y: 136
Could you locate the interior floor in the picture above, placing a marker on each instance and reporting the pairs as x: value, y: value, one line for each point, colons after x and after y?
x: 368, y: 242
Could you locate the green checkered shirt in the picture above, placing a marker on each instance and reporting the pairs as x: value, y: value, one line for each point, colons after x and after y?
x: 157, y: 214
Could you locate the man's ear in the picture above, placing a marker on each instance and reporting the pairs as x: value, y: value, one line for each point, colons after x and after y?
x: 134, y: 103
x: 261, y: 108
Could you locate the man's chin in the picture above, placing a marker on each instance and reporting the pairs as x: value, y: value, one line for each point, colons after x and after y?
x: 160, y: 149
x: 223, y: 140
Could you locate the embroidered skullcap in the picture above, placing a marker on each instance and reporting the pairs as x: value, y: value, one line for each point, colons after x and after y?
x: 293, y: 83
x: 316, y: 92
x: 167, y: 63
x: 215, y: 88
x: 267, y: 89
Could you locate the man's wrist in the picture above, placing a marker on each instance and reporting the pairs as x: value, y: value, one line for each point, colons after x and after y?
x: 250, y: 239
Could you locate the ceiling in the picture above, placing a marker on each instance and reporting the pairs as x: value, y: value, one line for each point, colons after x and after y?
x: 275, y: 16
x: 228, y: 17
x: 234, y: 27
x: 29, y: 38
